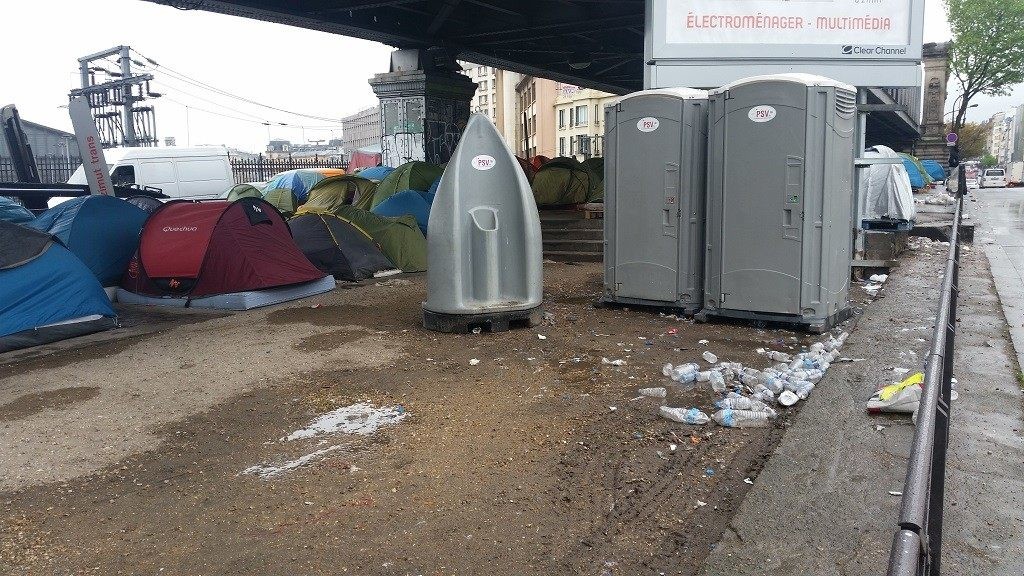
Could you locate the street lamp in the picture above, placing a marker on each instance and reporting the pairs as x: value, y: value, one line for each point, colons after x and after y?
x: 950, y: 113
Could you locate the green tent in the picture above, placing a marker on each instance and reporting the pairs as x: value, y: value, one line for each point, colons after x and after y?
x: 242, y: 191
x: 335, y: 191
x: 399, y: 238
x: 920, y: 167
x: 283, y: 199
x: 409, y: 176
x: 564, y: 181
x: 596, y: 167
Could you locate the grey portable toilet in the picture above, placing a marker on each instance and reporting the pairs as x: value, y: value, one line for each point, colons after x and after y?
x: 780, y: 193
x: 484, y: 262
x: 655, y: 162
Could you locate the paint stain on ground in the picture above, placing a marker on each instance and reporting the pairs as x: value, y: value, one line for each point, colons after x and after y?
x: 29, y: 404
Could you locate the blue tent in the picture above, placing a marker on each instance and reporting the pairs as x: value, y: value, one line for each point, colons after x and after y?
x: 11, y: 211
x: 299, y: 181
x: 102, y: 231
x: 935, y: 170
x: 376, y: 173
x: 434, y: 185
x: 916, y: 179
x: 46, y: 293
x: 406, y: 202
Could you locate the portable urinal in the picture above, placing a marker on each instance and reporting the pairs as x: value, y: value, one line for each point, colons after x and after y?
x: 484, y: 261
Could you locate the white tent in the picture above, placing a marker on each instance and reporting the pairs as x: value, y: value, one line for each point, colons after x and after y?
x: 885, y: 191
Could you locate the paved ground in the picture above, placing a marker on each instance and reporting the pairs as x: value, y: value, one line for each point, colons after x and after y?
x: 822, y: 505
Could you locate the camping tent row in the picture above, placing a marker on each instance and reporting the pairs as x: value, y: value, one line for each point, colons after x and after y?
x: 564, y: 181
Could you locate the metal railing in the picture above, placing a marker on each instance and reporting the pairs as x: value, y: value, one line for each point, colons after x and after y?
x: 917, y: 545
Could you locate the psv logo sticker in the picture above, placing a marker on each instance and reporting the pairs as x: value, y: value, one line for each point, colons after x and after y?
x: 482, y: 162
x: 647, y: 124
x: 761, y: 113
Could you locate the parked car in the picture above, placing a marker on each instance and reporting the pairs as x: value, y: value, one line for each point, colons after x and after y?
x: 1016, y: 174
x: 190, y: 173
x: 992, y: 178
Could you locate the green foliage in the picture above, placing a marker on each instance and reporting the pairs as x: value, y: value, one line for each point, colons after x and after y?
x: 988, y: 161
x: 987, y: 53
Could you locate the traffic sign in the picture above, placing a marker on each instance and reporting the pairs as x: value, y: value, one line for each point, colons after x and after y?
x: 951, y: 137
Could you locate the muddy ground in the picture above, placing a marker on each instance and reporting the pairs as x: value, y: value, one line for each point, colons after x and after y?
x: 125, y: 455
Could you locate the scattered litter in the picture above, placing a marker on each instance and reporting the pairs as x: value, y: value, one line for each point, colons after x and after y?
x: 709, y: 357
x: 654, y: 392
x: 541, y: 337
x: 362, y: 418
x: 474, y: 361
x: 748, y: 480
x: 900, y: 371
x: 672, y: 331
x: 477, y: 330
x: 902, y: 397
x: 741, y: 418
x: 613, y: 362
x: 613, y: 408
x: 672, y: 447
x: 683, y: 415
x: 709, y: 472
x: 788, y: 398
x: 895, y: 493
x: 700, y: 504
x: 317, y: 305
x: 879, y: 277
x: 704, y: 342
x: 879, y: 428
x: 267, y: 471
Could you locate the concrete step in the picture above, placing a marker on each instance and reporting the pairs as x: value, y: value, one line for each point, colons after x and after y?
x: 568, y: 256
x: 591, y: 246
x: 572, y: 234
x: 577, y: 224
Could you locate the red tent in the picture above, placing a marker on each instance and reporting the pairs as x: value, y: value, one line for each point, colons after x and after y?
x: 364, y: 158
x: 198, y: 249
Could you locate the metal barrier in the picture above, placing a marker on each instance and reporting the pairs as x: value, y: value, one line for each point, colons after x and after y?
x: 917, y: 545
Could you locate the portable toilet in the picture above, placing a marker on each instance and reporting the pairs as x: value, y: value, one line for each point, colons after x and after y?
x: 779, y: 202
x: 655, y: 162
x: 484, y: 262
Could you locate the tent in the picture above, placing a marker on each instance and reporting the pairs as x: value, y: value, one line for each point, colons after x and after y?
x: 147, y: 203
x: 596, y: 167
x: 336, y: 191
x: 376, y: 173
x: 102, y: 231
x: 283, y: 199
x: 46, y: 293
x: 366, y: 157
x: 406, y: 203
x: 409, y: 176
x: 934, y: 169
x: 919, y: 177
x: 242, y: 191
x: 13, y: 211
x: 400, y: 238
x: 217, y: 254
x: 528, y: 168
x: 538, y: 162
x: 885, y: 192
x: 301, y: 180
x: 338, y: 246
x: 565, y: 181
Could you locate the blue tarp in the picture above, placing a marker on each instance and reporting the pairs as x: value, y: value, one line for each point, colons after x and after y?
x: 916, y: 179
x: 406, y: 202
x: 376, y: 173
x: 298, y: 181
x: 12, y: 211
x: 54, y: 287
x: 102, y: 231
x: 935, y: 170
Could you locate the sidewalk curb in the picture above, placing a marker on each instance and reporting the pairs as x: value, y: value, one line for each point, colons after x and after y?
x: 1008, y: 283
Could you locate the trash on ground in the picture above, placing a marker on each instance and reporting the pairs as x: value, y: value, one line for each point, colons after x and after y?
x: 709, y: 472
x: 895, y: 493
x: 683, y: 415
x: 902, y: 397
x: 741, y: 418
x: 613, y: 362
x: 704, y: 342
x: 878, y: 278
x: 788, y: 398
x: 709, y: 357
x: 653, y: 392
x: 748, y: 481
x: 541, y: 337
x: 474, y: 361
x: 700, y: 504
x: 362, y: 418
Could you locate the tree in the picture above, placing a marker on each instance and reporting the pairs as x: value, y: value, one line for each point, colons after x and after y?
x: 988, y: 160
x: 972, y: 138
x: 987, y: 53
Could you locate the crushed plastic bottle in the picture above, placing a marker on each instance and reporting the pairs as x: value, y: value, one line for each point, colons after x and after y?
x: 741, y: 418
x: 667, y: 369
x: 802, y: 388
x: 683, y: 415
x: 788, y: 398
x: 685, y: 373
x: 777, y: 356
x: 745, y: 403
x: 704, y: 376
x: 717, y: 382
x: 709, y: 357
x: 657, y: 392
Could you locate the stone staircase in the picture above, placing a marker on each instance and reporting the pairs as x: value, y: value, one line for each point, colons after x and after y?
x: 573, y: 235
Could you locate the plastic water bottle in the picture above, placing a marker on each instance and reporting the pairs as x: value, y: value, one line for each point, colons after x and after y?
x: 685, y: 373
x: 684, y: 415
x: 704, y: 376
x: 717, y: 381
x: 741, y: 418
x: 762, y: 392
x: 817, y: 347
x: 778, y: 356
x: 801, y: 388
x: 667, y: 369
x: 709, y: 357
x: 750, y: 377
x: 744, y: 403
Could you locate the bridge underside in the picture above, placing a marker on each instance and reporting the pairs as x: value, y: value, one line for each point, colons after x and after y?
x: 604, y: 39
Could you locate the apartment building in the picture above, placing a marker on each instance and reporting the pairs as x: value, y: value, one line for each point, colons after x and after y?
x: 579, y: 114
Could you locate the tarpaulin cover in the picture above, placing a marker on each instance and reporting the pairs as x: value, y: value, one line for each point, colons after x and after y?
x: 919, y: 177
x: 42, y: 283
x: 338, y: 247
x: 406, y: 203
x: 103, y: 231
x: 564, y: 181
x: 409, y: 176
x: 364, y: 158
x: 11, y: 211
x: 400, y: 238
x: 217, y: 247
x: 885, y: 191
x: 935, y: 170
x: 301, y: 180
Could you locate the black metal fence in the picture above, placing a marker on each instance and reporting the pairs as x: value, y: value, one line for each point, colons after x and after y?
x: 52, y: 169
x: 260, y: 169
x: 917, y: 545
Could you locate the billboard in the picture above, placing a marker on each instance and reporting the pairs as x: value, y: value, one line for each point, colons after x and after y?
x: 711, y: 42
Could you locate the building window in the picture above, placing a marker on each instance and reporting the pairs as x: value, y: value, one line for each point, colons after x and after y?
x: 483, y: 99
x: 581, y: 115
x: 561, y: 146
x: 572, y: 117
x: 561, y: 118
x: 572, y: 146
x: 483, y: 85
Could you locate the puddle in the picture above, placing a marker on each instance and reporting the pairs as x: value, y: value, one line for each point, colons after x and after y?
x: 29, y: 404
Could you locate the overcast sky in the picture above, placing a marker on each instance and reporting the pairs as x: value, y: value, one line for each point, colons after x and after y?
x: 295, y: 69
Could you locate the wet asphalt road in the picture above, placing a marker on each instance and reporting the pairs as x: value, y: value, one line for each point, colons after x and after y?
x: 1002, y: 210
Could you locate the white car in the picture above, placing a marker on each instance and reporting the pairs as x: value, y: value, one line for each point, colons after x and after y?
x: 992, y: 178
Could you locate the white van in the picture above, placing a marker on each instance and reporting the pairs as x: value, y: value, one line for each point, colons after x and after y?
x: 190, y: 173
x: 993, y: 178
